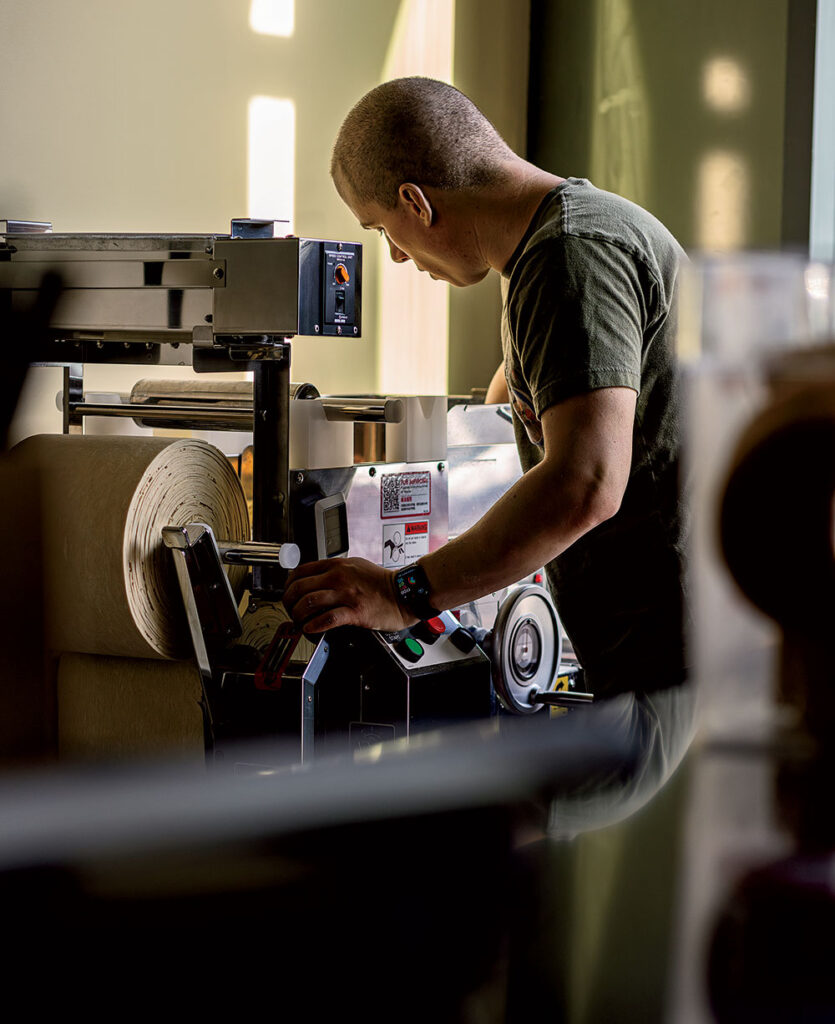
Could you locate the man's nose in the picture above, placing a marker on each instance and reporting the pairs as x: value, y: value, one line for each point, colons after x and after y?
x: 397, y: 254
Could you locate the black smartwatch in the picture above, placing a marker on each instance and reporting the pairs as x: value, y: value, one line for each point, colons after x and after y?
x: 412, y: 589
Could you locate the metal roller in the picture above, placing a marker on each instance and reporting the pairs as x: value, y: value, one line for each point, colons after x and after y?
x: 226, y: 405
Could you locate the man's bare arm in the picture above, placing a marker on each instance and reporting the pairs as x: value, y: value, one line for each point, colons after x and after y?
x: 579, y: 484
x: 497, y: 388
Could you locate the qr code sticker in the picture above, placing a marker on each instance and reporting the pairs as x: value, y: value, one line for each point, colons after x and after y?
x: 391, y: 494
x: 405, y: 494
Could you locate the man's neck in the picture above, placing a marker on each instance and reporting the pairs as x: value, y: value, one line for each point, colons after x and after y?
x: 501, y: 215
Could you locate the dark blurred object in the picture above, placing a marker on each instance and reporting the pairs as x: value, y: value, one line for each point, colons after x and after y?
x: 386, y: 887
x: 20, y: 334
x: 777, y: 538
x: 774, y: 946
x: 27, y: 698
x: 772, y: 949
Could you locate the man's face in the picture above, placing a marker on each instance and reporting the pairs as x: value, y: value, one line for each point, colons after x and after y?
x: 425, y: 240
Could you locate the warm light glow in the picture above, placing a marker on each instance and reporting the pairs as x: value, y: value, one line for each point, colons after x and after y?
x: 816, y: 278
x: 272, y: 17
x: 414, y: 310
x: 272, y: 150
x: 722, y: 201
x: 819, y: 279
x: 725, y: 86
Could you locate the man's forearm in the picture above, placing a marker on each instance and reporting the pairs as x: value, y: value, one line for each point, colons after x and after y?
x: 533, y: 522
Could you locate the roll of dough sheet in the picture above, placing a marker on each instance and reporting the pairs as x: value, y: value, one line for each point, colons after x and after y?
x: 116, y: 709
x: 110, y: 583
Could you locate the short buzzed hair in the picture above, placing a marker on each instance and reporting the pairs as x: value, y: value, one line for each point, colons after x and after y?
x: 418, y: 130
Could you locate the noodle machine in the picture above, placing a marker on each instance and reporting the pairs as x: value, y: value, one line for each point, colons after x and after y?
x: 385, y: 478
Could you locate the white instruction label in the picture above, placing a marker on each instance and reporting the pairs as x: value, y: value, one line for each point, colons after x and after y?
x: 404, y: 543
x: 405, y: 494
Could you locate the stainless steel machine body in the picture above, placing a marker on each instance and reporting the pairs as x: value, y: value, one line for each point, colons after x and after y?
x: 224, y: 302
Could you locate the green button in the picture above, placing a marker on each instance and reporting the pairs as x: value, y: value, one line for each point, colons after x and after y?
x: 409, y: 649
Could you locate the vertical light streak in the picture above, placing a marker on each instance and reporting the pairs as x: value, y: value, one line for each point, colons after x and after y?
x: 272, y: 152
x: 272, y: 17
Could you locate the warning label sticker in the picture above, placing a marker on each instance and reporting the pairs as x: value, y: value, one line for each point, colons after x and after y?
x: 405, y: 494
x: 404, y: 543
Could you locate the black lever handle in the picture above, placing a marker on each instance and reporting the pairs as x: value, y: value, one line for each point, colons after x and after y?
x: 562, y: 698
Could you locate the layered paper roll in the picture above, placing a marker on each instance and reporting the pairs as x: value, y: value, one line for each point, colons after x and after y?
x: 120, y: 708
x: 110, y: 583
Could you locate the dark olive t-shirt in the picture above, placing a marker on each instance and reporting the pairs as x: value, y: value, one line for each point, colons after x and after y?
x: 590, y: 302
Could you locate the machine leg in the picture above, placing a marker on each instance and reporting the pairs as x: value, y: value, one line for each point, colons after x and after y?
x: 271, y: 432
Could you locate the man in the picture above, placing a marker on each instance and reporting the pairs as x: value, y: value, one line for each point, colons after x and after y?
x: 589, y: 290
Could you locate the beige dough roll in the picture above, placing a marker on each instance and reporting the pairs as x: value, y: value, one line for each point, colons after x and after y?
x: 115, y: 709
x: 111, y: 586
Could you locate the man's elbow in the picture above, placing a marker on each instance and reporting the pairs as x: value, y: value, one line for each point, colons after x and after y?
x: 597, y: 505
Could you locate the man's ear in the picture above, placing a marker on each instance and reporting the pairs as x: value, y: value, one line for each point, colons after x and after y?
x: 416, y: 202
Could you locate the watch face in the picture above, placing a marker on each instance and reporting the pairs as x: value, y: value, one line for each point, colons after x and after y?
x: 413, y: 590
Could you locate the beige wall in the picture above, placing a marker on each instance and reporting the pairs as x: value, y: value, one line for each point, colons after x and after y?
x: 132, y: 116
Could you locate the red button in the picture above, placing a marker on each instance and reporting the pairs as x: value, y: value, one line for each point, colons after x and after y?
x: 436, y: 626
x: 537, y: 577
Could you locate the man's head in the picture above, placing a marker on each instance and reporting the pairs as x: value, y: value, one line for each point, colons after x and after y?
x: 415, y: 130
x: 408, y: 159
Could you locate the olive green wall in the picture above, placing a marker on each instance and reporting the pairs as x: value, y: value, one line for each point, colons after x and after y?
x: 490, y: 65
x: 618, y: 96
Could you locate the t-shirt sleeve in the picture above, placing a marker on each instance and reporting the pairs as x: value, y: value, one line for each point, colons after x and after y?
x: 576, y: 310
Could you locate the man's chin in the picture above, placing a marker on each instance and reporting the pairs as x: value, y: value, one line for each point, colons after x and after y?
x: 472, y: 279
x: 459, y: 282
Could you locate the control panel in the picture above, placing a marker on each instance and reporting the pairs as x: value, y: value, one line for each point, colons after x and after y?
x: 426, y: 646
x: 330, y: 288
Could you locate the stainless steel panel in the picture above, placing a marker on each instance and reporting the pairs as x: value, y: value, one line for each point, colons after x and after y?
x: 479, y: 424
x: 120, y: 273
x: 141, y: 312
x: 262, y: 287
x: 367, y: 526
x: 478, y: 477
x: 58, y: 246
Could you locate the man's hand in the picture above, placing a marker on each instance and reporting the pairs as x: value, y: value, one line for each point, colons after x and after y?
x: 344, y: 592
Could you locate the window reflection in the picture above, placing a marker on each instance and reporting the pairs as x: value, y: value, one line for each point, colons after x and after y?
x: 722, y: 200
x: 726, y: 87
x: 272, y: 149
x: 272, y: 17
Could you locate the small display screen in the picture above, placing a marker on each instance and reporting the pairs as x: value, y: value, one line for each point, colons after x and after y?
x: 335, y: 521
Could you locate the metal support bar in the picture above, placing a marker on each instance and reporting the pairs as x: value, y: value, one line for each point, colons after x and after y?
x: 73, y: 375
x: 179, y: 415
x: 271, y: 473
x: 363, y: 410
x: 259, y: 553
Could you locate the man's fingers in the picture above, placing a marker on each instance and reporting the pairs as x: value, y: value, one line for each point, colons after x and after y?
x: 320, y: 610
x: 341, y: 592
x: 304, y: 602
x: 298, y: 589
x: 328, y: 620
